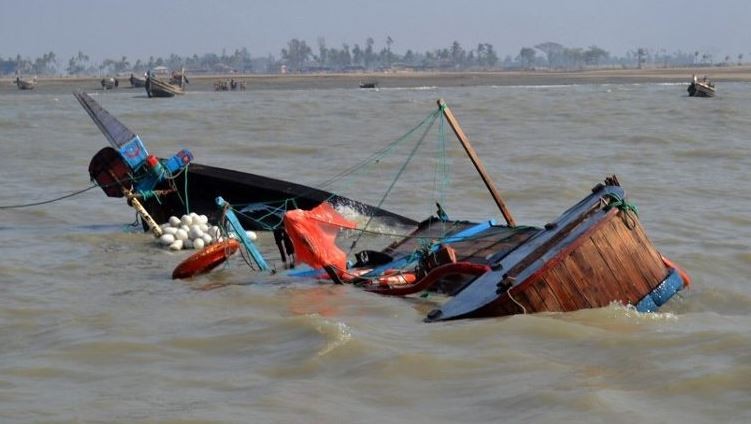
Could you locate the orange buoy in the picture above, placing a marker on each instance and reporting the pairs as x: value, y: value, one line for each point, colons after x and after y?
x: 682, y: 272
x: 206, y: 259
x: 396, y: 278
x: 433, y: 277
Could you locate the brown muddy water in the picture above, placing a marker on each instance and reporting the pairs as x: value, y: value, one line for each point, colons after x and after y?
x: 94, y: 330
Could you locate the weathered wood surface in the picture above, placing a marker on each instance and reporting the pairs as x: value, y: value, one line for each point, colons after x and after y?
x: 613, y: 262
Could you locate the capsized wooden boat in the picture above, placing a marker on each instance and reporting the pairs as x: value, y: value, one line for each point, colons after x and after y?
x: 594, y: 254
x: 171, y: 187
x: 701, y: 88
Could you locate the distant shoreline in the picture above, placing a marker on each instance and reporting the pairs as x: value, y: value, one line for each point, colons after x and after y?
x: 433, y: 79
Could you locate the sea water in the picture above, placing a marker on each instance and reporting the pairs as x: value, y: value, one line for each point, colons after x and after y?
x: 92, y: 328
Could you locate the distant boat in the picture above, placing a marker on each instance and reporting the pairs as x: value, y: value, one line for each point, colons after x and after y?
x: 701, y: 88
x: 137, y: 82
x: 26, y: 84
x: 109, y: 83
x: 225, y: 85
x: 371, y: 84
x: 158, y: 88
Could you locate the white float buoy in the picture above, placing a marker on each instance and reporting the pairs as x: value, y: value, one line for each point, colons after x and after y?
x: 181, y: 234
x: 167, y: 239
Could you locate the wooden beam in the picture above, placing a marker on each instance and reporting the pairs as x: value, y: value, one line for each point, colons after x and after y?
x: 476, y: 162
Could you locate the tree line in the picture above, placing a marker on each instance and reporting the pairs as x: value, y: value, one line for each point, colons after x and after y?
x: 300, y: 57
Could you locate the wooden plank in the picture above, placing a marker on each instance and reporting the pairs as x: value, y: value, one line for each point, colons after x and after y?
x: 464, y: 140
x: 626, y: 277
x: 566, y: 289
x: 648, y: 259
x: 631, y: 259
x: 595, y: 269
x: 533, y: 299
x: 505, y: 306
x: 622, y: 276
x: 555, y: 286
x: 627, y: 263
x: 551, y: 301
x: 633, y: 247
x: 658, y: 268
x: 589, y: 292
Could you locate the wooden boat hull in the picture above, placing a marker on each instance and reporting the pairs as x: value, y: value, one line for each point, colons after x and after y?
x: 698, y: 89
x: 591, y: 256
x: 260, y: 200
x: 158, y: 88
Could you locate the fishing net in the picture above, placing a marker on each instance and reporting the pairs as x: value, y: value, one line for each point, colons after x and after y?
x: 389, y: 174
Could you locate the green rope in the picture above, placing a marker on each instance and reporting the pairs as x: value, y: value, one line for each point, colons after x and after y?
x: 291, y: 202
x: 615, y: 201
x: 411, y: 155
x: 377, y: 156
x: 44, y: 202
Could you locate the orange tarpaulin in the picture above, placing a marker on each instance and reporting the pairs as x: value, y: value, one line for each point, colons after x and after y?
x: 313, y: 234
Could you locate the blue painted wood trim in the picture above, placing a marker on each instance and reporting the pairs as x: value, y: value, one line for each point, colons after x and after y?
x: 453, y: 238
x: 240, y: 232
x: 662, y: 293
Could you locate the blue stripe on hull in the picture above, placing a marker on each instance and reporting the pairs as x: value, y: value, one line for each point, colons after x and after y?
x: 662, y: 293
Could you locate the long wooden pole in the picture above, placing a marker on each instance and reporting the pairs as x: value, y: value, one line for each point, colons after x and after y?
x: 136, y: 204
x: 476, y: 162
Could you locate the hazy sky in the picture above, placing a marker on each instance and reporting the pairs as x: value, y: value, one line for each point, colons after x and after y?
x: 143, y: 28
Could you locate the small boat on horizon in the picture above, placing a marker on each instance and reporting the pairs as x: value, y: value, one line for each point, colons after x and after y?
x: 137, y: 82
x: 109, y: 83
x: 158, y: 88
x: 23, y: 84
x: 701, y: 88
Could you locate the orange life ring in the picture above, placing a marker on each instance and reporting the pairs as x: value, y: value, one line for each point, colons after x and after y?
x: 682, y: 272
x: 206, y: 259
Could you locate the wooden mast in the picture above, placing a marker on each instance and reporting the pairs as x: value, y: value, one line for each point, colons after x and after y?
x: 476, y: 161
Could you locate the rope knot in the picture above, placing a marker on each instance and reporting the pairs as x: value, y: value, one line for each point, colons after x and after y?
x: 623, y: 205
